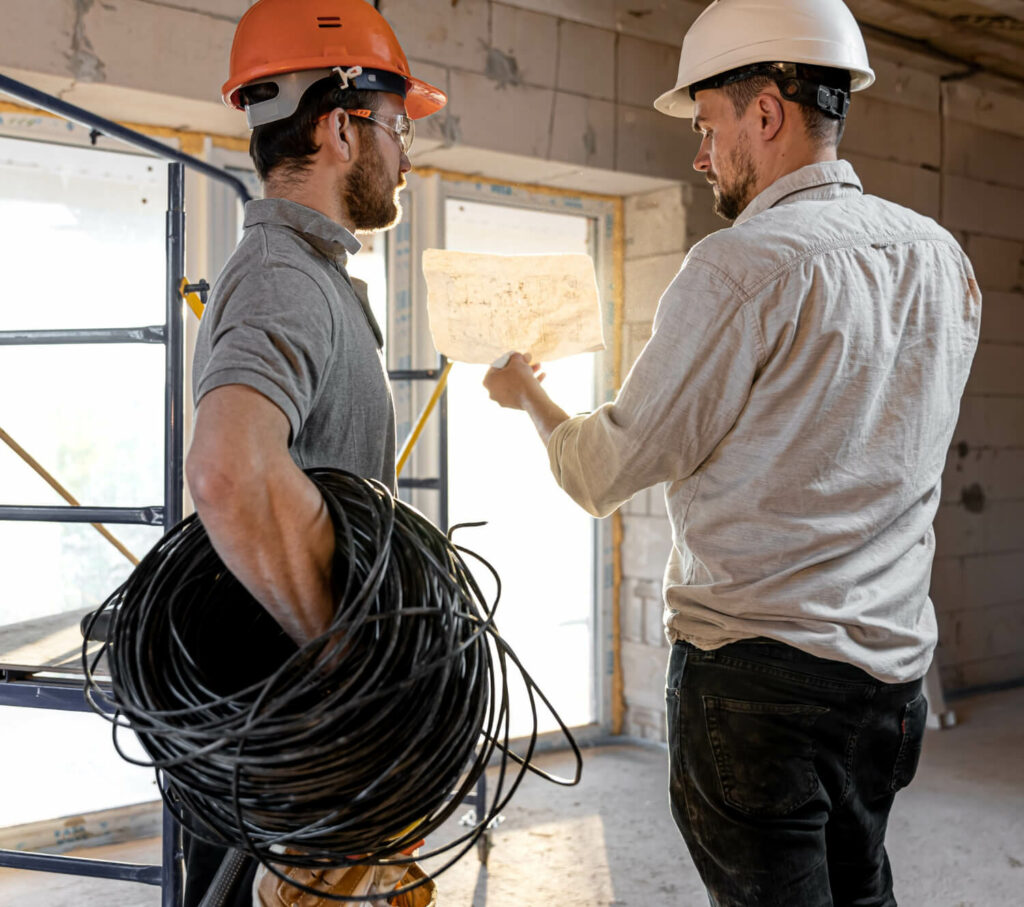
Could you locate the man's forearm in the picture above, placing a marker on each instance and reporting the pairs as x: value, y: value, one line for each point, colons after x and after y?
x: 545, y: 413
x: 279, y: 542
x: 265, y: 517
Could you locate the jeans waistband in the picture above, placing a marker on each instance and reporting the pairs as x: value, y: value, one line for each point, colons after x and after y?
x: 771, y: 651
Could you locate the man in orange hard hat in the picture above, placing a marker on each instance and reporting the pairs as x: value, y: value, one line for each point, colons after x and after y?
x: 797, y: 399
x: 288, y: 370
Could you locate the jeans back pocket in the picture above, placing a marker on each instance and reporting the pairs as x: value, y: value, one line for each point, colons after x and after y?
x: 764, y: 753
x: 912, y: 724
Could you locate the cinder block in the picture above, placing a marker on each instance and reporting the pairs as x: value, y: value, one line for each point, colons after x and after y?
x: 1003, y: 526
x: 998, y: 369
x: 654, y: 627
x: 583, y: 131
x: 586, y: 60
x: 655, y: 223
x: 998, y: 471
x: 993, y: 579
x: 947, y: 590
x: 1003, y: 317
x: 982, y: 633
x: 897, y: 83
x: 645, y: 723
x: 230, y: 9
x: 901, y: 183
x: 631, y: 611
x: 653, y: 144
x: 983, y: 673
x: 514, y: 119
x: 643, y: 674
x: 646, y: 544
x: 984, y: 154
x: 663, y: 21
x: 958, y: 532
x: 985, y: 108
x: 992, y: 421
x: 600, y: 13
x: 452, y: 35
x: 37, y: 36
x: 530, y: 39
x: 645, y: 70
x: 983, y: 208
x: 891, y: 131
x: 150, y: 47
x: 998, y: 263
x: 1002, y: 474
x: 646, y: 280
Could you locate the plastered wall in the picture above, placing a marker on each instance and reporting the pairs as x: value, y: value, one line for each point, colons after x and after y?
x: 559, y: 92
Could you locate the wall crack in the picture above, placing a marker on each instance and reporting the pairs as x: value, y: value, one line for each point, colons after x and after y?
x: 85, y: 65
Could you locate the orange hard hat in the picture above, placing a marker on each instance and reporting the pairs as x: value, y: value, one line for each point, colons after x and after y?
x: 275, y: 37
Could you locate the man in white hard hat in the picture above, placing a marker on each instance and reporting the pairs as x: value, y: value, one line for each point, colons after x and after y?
x: 797, y: 399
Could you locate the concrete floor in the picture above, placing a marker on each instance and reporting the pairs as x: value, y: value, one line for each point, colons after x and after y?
x: 956, y: 837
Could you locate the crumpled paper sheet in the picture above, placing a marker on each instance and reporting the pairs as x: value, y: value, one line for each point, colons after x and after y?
x: 484, y: 306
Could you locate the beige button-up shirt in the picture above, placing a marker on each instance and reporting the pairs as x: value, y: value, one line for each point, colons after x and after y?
x: 797, y: 398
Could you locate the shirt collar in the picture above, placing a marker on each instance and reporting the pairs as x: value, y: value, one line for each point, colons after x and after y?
x: 831, y: 174
x: 327, y: 235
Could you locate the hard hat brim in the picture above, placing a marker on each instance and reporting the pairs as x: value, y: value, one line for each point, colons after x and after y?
x: 422, y: 98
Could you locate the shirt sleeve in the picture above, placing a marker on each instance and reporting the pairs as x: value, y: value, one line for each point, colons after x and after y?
x: 682, y: 396
x: 275, y: 334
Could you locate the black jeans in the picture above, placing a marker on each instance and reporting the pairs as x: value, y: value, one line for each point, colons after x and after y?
x: 783, y: 770
x: 202, y: 860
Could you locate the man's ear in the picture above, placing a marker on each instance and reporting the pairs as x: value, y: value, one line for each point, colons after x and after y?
x: 339, y: 134
x: 771, y: 114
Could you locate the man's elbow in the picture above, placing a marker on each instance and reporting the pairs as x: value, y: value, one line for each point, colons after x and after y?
x: 214, y: 486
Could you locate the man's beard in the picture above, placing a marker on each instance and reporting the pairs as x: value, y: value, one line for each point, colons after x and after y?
x: 369, y: 196
x: 730, y: 202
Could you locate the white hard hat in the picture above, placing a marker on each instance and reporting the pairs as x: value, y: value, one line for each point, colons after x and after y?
x: 731, y: 34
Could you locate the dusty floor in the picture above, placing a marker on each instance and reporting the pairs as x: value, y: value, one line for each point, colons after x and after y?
x: 956, y: 837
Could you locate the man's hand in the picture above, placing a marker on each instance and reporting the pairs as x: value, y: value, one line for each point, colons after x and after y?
x: 517, y: 386
x: 512, y: 385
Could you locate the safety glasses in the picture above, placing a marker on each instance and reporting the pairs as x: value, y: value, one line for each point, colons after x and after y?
x: 399, y: 125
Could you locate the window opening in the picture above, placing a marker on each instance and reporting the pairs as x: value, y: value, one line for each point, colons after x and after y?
x: 542, y: 545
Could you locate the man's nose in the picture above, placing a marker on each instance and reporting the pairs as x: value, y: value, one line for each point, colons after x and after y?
x: 702, y: 162
x: 405, y: 165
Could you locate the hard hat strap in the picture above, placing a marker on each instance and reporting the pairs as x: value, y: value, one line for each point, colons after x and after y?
x: 794, y: 85
x: 833, y: 102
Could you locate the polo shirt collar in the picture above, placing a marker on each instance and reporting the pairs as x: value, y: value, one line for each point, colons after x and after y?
x: 325, y: 233
x: 830, y: 176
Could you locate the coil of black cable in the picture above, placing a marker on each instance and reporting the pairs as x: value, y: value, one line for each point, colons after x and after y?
x: 347, y: 750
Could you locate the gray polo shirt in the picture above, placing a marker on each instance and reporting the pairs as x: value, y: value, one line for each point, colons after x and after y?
x: 797, y: 399
x: 285, y: 319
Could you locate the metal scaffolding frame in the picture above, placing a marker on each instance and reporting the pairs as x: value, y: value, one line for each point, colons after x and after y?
x: 29, y: 686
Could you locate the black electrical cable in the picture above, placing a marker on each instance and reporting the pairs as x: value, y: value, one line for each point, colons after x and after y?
x: 346, y: 750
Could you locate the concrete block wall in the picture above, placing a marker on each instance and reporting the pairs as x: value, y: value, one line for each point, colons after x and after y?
x: 978, y: 583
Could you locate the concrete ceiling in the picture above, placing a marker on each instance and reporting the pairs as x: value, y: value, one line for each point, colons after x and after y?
x: 976, y: 34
